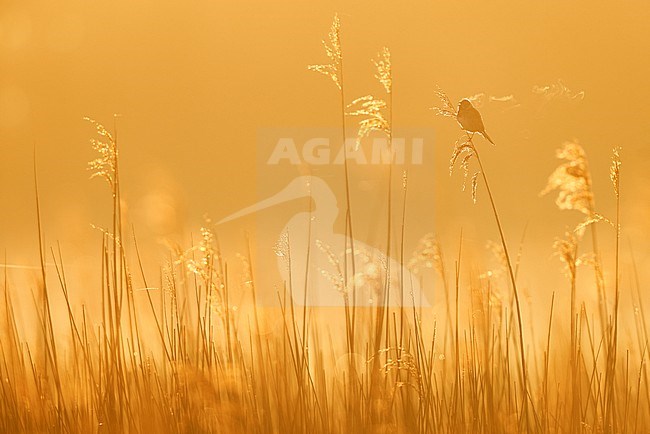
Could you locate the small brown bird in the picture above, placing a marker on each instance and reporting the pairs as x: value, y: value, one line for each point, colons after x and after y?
x: 470, y: 119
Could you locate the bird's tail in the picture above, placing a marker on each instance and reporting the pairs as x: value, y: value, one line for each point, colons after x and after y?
x: 487, y: 137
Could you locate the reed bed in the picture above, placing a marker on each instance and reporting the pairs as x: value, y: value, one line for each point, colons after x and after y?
x: 174, y: 353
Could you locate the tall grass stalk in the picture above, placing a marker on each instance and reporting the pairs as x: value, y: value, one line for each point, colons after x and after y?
x: 334, y: 70
x: 610, y: 377
x: 524, y: 368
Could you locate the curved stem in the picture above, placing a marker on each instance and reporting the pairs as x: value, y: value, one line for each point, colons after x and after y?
x: 513, y: 282
x: 348, y: 218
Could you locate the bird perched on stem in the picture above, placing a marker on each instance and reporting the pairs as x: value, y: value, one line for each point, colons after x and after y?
x: 470, y: 119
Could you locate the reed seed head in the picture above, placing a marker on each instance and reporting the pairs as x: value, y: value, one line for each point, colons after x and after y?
x: 105, y: 164
x: 334, y: 54
x: 615, y: 170
x: 384, y: 73
x: 572, y: 180
x: 373, y: 119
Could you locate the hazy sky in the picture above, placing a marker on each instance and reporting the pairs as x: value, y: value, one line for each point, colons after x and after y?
x: 195, y: 83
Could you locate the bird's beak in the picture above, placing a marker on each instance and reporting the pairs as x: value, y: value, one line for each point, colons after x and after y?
x: 295, y: 190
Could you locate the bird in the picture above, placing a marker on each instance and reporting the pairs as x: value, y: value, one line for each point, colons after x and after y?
x: 309, y: 243
x: 470, y: 119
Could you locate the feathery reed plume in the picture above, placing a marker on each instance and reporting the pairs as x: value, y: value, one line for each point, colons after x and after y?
x: 384, y: 69
x: 427, y: 255
x: 464, y: 148
x: 495, y: 296
x: 368, y: 275
x: 281, y: 249
x: 558, y: 90
x: 371, y: 109
x: 566, y: 249
x: 206, y: 268
x: 615, y: 170
x: 447, y: 108
x: 104, y: 165
x: 334, y: 54
x: 572, y: 180
x: 336, y: 279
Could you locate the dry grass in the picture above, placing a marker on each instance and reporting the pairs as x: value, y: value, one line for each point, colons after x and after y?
x: 181, y: 357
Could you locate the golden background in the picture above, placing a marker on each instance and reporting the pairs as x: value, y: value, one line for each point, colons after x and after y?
x: 193, y: 83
